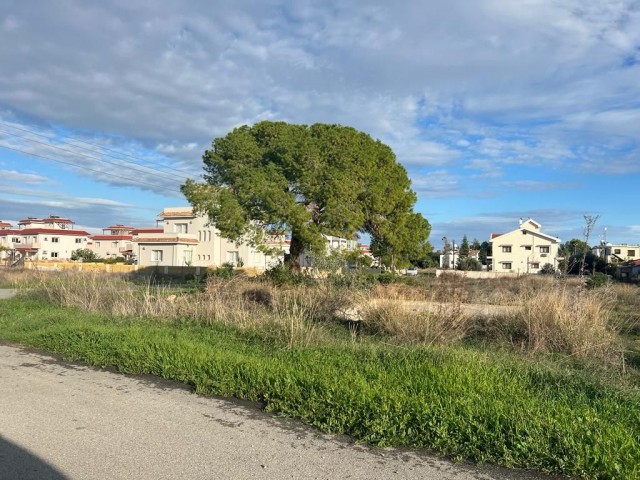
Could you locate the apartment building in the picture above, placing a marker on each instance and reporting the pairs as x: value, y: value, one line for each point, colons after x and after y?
x: 50, y: 238
x: 187, y: 239
x: 524, y: 250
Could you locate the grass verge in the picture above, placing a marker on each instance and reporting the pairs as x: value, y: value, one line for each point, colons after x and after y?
x: 463, y: 403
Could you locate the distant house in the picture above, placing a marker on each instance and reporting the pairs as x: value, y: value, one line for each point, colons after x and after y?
x: 187, y: 239
x: 524, y: 250
x: 52, y: 238
x: 115, y: 241
x: 617, y: 253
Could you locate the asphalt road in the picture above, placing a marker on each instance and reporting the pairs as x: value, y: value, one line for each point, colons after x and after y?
x: 60, y: 420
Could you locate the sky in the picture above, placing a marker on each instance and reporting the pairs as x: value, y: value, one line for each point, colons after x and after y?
x: 498, y: 110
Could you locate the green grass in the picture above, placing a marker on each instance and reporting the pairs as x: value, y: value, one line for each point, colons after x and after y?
x: 464, y: 403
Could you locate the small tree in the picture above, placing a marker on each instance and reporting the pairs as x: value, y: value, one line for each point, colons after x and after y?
x: 84, y: 254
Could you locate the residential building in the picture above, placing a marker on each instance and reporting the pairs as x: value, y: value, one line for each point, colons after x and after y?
x: 524, y: 250
x: 52, y: 238
x: 115, y: 241
x: 617, y: 253
x: 187, y: 239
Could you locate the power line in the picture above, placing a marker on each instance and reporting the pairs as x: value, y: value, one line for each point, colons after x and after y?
x: 138, y: 167
x: 99, y: 148
x: 137, y: 182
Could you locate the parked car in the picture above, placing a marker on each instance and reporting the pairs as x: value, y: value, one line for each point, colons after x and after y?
x: 412, y: 271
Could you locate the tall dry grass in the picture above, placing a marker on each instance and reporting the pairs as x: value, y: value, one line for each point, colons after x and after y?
x: 569, y: 320
x: 539, y: 315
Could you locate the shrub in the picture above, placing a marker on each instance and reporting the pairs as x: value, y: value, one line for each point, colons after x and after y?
x: 225, y: 271
x: 282, y: 275
x: 598, y: 279
x: 547, y: 269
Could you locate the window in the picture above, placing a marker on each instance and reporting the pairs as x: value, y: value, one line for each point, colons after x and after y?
x: 631, y: 253
x: 182, y: 227
x: 114, y: 244
x: 156, y: 255
x: 15, y: 240
x: 55, y: 239
x: 535, y: 266
x: 544, y: 249
x: 527, y: 247
x: 97, y: 244
x: 506, y: 265
x: 78, y: 240
x: 233, y: 257
x: 54, y: 254
x: 506, y: 249
x: 617, y: 251
x: 188, y: 256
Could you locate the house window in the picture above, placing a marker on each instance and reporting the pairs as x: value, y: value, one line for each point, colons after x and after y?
x: 535, y: 266
x: 97, y: 244
x: 544, y: 249
x: 631, y: 253
x: 78, y: 240
x: 506, y: 249
x: 188, y: 256
x: 156, y: 255
x: 55, y: 240
x: 54, y: 254
x: 233, y: 257
x: 114, y: 244
x: 527, y: 247
x: 15, y: 240
x: 506, y: 265
x: 617, y: 251
x: 182, y: 227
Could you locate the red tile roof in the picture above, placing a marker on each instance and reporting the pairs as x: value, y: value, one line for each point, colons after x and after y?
x: 41, y: 231
x: 119, y: 227
x: 111, y: 237
x: 147, y: 230
x: 494, y: 235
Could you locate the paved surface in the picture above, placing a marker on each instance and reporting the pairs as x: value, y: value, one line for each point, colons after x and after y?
x: 7, y: 293
x: 60, y: 420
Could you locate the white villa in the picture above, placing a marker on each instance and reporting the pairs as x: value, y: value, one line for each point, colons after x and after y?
x: 525, y: 250
x: 50, y: 238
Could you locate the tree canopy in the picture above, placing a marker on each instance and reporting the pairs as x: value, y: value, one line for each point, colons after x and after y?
x: 308, y: 181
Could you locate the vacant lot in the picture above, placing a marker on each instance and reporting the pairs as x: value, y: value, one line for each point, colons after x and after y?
x: 542, y: 384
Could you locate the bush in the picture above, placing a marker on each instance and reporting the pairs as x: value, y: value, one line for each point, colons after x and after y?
x: 547, y: 269
x: 282, y: 275
x: 598, y: 280
x: 225, y: 271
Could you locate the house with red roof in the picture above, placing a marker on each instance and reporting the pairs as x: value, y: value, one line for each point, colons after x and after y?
x: 51, y: 238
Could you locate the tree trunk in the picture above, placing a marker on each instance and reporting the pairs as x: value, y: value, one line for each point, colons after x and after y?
x: 295, y: 251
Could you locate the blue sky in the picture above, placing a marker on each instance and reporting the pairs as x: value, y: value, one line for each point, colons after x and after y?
x: 498, y: 110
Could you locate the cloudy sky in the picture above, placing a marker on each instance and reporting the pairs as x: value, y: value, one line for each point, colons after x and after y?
x: 498, y: 110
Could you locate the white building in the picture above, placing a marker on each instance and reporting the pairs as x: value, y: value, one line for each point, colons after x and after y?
x: 187, y: 239
x: 51, y: 238
x: 525, y: 250
x: 115, y: 241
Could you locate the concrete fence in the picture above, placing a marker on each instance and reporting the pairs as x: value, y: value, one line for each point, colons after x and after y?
x: 478, y: 275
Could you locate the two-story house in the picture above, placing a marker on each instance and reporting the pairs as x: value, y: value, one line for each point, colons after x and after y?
x: 50, y: 238
x: 525, y: 250
x: 115, y: 241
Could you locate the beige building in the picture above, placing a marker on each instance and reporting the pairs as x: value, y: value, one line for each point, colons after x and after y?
x: 115, y: 241
x: 525, y: 250
x: 51, y: 238
x: 187, y: 239
x: 617, y: 253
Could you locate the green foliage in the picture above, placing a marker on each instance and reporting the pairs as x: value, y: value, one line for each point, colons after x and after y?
x: 469, y: 264
x: 84, y: 254
x: 485, y: 251
x: 310, y: 181
x: 225, y: 271
x: 281, y: 275
x: 487, y: 407
x: 547, y: 269
x: 597, y: 280
x: 574, y: 246
x: 464, y: 247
